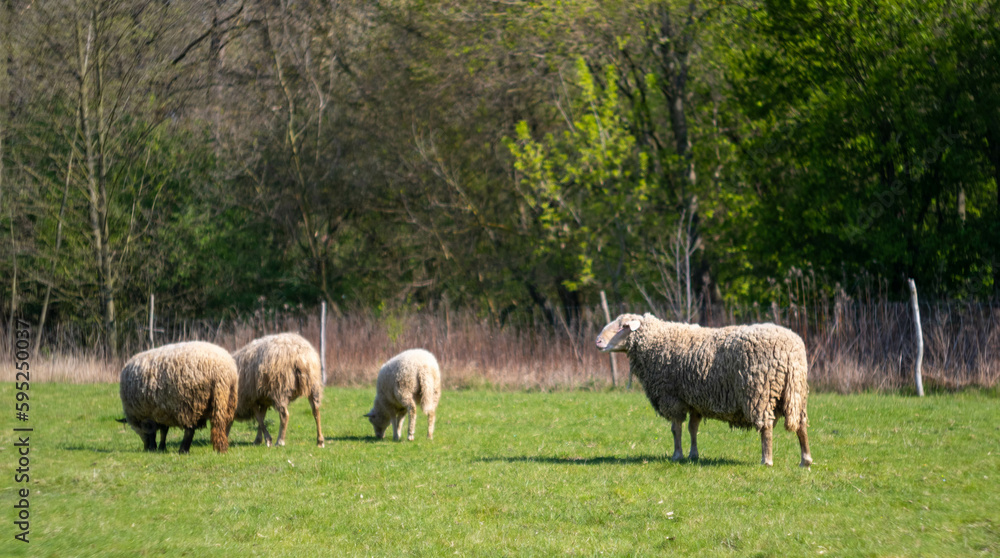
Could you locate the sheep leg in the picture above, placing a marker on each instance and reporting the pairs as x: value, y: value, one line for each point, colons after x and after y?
x: 259, y: 413
x: 693, y: 430
x: 804, y: 446
x: 282, y: 409
x: 676, y: 428
x: 186, y: 442
x: 431, y: 415
x: 314, y: 403
x: 397, y: 426
x: 163, y: 437
x: 149, y: 440
x: 765, y: 444
x: 411, y: 422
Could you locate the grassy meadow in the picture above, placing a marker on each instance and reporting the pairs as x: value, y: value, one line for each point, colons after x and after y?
x: 513, y: 473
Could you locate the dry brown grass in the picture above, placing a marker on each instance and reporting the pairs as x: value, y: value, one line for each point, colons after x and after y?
x: 853, y: 346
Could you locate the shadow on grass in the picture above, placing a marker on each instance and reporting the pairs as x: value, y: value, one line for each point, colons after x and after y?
x: 369, y: 439
x: 77, y: 447
x: 232, y: 443
x: 172, y: 446
x: 608, y: 460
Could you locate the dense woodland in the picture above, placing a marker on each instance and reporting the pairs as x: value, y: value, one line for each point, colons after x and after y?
x: 510, y: 157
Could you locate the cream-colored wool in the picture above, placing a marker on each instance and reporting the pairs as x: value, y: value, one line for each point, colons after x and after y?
x: 274, y: 371
x: 408, y: 379
x: 184, y: 385
x: 745, y: 375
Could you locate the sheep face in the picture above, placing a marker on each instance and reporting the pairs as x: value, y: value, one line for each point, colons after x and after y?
x: 614, y: 337
x: 380, y: 421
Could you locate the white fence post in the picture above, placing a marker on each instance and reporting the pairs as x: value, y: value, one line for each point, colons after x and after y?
x: 607, y: 319
x: 152, y: 344
x: 920, y: 339
x: 322, y: 341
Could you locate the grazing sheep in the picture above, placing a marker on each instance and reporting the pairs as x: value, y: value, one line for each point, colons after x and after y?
x: 274, y: 371
x: 410, y: 378
x: 185, y: 385
x: 744, y: 375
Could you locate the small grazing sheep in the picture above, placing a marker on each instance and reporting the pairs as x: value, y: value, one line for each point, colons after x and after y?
x: 184, y: 385
x: 408, y: 379
x: 274, y: 371
x: 744, y: 375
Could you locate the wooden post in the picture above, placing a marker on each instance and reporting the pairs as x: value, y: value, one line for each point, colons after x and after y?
x: 920, y: 339
x: 152, y: 345
x: 322, y: 340
x: 607, y: 319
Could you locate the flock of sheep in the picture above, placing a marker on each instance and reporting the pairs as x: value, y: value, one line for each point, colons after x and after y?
x: 188, y: 384
x: 747, y: 376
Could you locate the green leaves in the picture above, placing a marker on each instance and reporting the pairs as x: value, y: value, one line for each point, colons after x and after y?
x: 861, y: 118
x: 586, y: 182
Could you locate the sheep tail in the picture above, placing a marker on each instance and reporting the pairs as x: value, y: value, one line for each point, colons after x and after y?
x: 427, y: 392
x: 796, y: 393
x: 223, y: 413
x: 308, y: 378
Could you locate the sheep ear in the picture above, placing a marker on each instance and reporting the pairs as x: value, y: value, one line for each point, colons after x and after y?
x: 633, y: 324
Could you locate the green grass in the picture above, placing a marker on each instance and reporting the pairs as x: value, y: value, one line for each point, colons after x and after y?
x: 513, y: 474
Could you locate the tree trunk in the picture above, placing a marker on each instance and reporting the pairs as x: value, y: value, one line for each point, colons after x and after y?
x: 13, y: 255
x: 214, y: 65
x: 993, y: 154
x: 317, y: 250
x: 675, y: 63
x: 96, y: 173
x: 55, y: 256
x: 675, y: 46
x: 13, y: 287
x: 542, y: 303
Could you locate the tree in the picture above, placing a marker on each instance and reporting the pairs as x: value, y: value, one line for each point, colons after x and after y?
x: 874, y: 142
x: 586, y: 189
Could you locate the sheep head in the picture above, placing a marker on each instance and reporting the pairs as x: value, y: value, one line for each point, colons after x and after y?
x: 380, y: 421
x: 614, y: 336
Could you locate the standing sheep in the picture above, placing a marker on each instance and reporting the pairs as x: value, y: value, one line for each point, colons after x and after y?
x: 744, y: 375
x: 408, y: 379
x: 274, y: 371
x: 183, y: 384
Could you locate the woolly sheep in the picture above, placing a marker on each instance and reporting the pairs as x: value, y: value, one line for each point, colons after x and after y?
x: 184, y: 385
x: 744, y: 375
x: 274, y: 371
x: 410, y: 378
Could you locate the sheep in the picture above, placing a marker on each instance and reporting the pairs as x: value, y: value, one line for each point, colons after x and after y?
x: 274, y: 371
x: 745, y: 375
x: 184, y: 385
x: 410, y: 378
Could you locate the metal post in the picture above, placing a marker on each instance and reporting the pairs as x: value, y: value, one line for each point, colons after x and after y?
x: 322, y: 340
x: 152, y: 344
x: 920, y: 339
x: 607, y: 318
